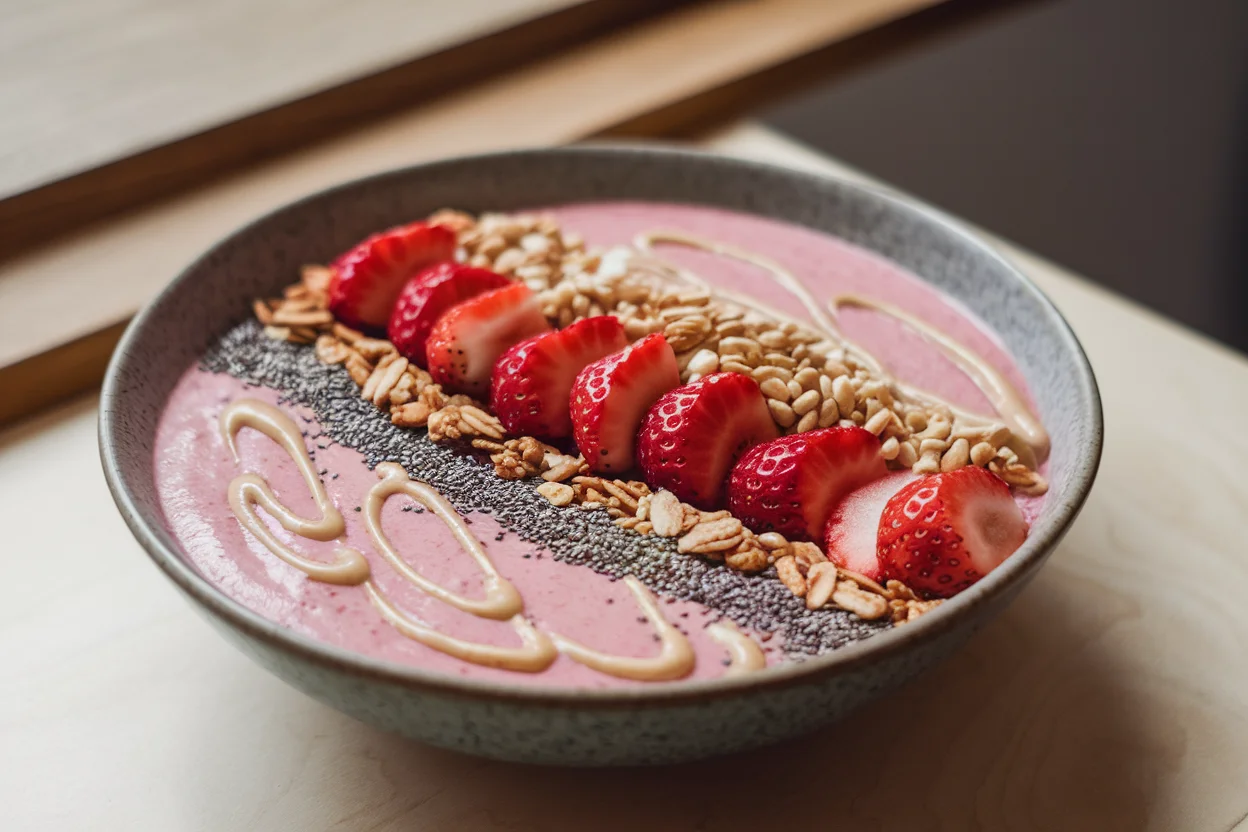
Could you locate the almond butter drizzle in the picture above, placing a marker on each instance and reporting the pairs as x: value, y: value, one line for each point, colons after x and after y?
x: 537, y: 650
x: 674, y: 661
x: 1004, y: 398
x: 250, y: 490
x: 501, y: 601
x: 744, y: 656
x: 535, y: 653
x: 1009, y: 405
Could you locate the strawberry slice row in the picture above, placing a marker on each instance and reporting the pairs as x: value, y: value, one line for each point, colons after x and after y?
x: 470, y: 336
x: 532, y: 383
x: 940, y: 534
x: 427, y: 297
x: 937, y: 534
x: 367, y: 279
x: 691, y: 438
x: 611, y: 396
x: 712, y: 442
x: 791, y: 485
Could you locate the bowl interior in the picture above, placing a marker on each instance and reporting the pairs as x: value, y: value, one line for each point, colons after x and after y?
x: 215, y: 293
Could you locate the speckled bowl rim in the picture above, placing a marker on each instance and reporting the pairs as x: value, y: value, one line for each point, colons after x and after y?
x: 1039, y: 544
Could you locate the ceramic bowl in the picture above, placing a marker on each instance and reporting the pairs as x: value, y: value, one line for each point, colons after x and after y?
x: 625, y: 726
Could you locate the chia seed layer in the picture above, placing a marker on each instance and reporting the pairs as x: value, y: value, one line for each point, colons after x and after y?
x: 574, y: 536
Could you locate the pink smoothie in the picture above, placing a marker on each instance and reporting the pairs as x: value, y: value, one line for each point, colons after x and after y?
x: 194, y: 467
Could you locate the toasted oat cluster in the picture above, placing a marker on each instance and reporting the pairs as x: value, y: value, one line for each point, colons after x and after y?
x: 807, y: 380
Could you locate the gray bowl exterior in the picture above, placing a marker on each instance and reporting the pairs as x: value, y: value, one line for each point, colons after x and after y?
x: 664, y: 723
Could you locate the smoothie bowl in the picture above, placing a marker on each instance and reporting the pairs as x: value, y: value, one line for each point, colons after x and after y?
x: 599, y: 455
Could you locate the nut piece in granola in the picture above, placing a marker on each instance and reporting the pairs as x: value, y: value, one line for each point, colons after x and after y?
x: 821, y: 582
x: 411, y: 415
x: 906, y: 610
x: 868, y: 606
x: 454, y: 422
x: 666, y: 514
x: 714, y: 536
x: 791, y: 576
x: 558, y: 493
x: 559, y: 467
x: 748, y: 556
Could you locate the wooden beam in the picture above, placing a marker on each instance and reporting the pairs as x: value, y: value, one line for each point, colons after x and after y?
x: 53, y: 376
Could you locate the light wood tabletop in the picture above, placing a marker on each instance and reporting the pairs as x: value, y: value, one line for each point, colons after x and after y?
x: 1110, y: 695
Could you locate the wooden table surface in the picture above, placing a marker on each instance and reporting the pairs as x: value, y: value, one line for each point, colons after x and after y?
x: 1110, y: 696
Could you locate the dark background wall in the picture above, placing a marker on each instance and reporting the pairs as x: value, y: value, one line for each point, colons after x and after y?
x: 1110, y: 136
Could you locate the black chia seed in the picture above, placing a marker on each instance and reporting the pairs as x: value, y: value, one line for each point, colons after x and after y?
x: 582, y: 538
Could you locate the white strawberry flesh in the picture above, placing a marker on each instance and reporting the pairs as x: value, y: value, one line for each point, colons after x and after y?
x: 850, y: 534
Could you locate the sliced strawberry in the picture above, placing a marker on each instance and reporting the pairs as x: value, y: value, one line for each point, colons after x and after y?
x: 691, y: 437
x: 942, y: 533
x: 470, y: 336
x: 367, y: 279
x: 610, y: 396
x: 791, y: 484
x: 532, y: 382
x: 426, y: 296
x: 852, y: 529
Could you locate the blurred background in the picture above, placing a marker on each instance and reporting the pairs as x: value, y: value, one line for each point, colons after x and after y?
x: 1110, y: 136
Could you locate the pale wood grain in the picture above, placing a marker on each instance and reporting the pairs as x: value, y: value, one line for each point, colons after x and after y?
x: 169, y: 95
x: 94, y: 80
x: 1110, y: 696
x: 100, y: 275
